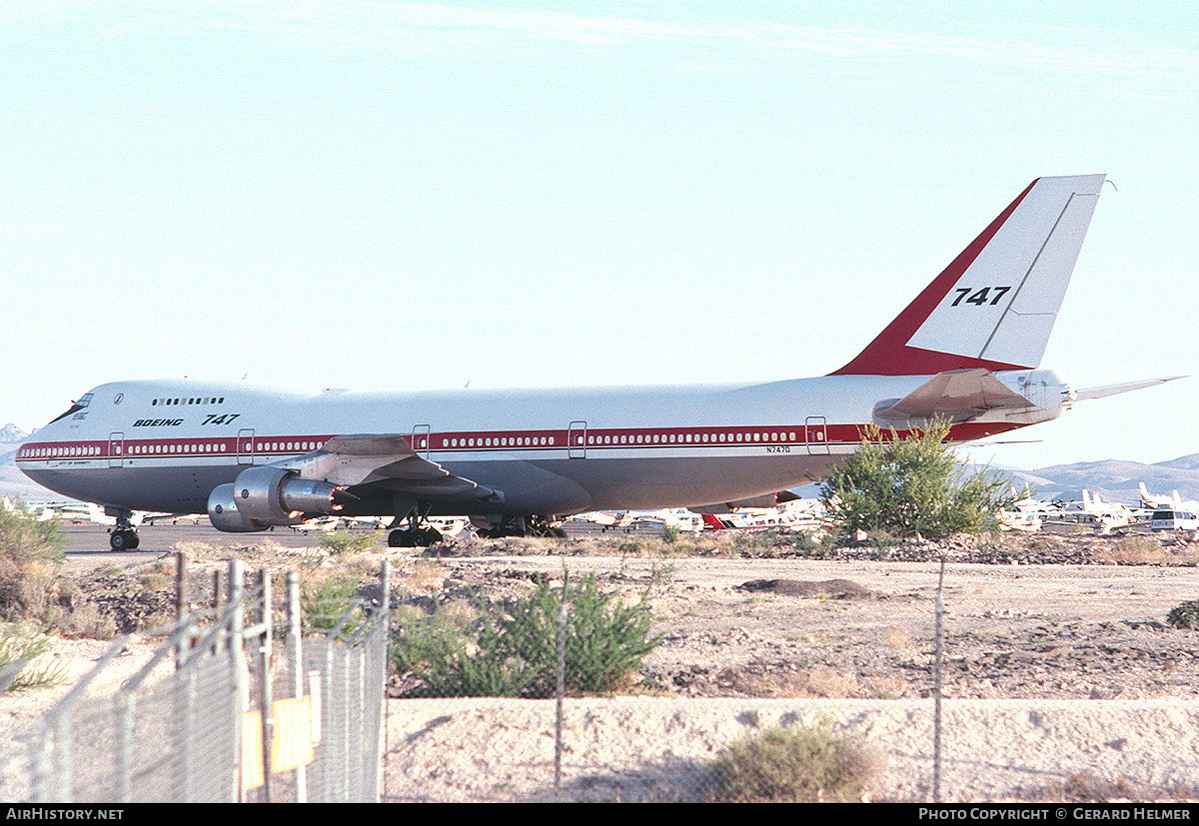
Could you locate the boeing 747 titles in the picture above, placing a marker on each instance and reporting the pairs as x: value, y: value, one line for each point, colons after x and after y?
x: 966, y: 350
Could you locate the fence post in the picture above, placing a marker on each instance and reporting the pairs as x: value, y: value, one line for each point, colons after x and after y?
x: 265, y: 694
x: 940, y: 611
x: 561, y: 693
x: 295, y: 644
x: 237, y: 662
x: 384, y: 632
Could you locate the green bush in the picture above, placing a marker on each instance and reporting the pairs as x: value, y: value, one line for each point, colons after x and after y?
x: 324, y: 603
x: 30, y: 550
x: 24, y: 538
x: 792, y: 765
x: 912, y: 486
x: 349, y: 542
x: 1185, y: 615
x: 458, y: 653
x: 20, y: 642
x: 511, y: 649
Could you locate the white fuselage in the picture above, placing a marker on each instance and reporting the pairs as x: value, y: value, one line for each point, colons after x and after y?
x: 164, y: 446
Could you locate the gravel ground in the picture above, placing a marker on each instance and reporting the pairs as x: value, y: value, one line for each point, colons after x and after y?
x: 1063, y: 680
x: 644, y: 749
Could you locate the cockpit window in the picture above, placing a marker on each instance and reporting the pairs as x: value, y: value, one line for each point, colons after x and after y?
x: 83, y: 402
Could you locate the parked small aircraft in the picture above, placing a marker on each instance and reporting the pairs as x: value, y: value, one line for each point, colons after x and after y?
x: 1150, y: 501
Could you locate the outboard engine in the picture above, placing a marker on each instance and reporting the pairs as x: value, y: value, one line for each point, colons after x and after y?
x: 265, y: 496
x: 224, y: 515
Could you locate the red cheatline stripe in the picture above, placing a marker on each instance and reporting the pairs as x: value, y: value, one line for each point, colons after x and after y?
x: 474, y: 441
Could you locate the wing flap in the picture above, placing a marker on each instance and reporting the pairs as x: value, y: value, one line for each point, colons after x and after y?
x: 389, y: 461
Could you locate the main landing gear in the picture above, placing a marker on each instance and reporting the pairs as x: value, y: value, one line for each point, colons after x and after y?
x: 414, y: 538
x: 522, y: 526
x: 124, y: 536
x: 418, y: 533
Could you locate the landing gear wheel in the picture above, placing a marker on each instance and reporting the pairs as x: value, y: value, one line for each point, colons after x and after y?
x: 414, y: 538
x: 123, y: 539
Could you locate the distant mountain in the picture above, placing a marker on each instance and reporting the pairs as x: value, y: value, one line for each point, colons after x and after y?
x: 12, y: 481
x: 1117, y: 480
x: 10, y: 434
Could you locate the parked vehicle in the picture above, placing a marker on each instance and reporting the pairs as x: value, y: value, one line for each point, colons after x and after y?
x: 1168, y: 519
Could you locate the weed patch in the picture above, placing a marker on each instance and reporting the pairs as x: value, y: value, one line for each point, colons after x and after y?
x: 510, y: 649
x: 350, y: 542
x: 796, y: 764
x: 21, y: 643
x: 1185, y: 615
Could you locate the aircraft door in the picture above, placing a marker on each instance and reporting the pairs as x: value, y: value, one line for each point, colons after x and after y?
x: 245, y: 447
x: 116, y: 450
x: 816, y: 435
x: 421, y: 439
x: 576, y: 441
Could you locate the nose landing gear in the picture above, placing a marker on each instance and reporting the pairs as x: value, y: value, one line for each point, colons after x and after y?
x: 123, y: 537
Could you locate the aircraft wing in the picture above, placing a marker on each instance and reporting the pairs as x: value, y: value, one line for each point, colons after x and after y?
x: 386, y: 460
x: 955, y: 395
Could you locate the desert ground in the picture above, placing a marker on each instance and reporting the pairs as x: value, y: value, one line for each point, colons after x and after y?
x: 1055, y: 650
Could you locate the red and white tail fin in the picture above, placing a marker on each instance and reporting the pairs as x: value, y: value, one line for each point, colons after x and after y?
x: 995, y: 305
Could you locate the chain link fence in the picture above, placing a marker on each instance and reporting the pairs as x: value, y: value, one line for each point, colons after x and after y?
x: 523, y: 699
x: 231, y: 691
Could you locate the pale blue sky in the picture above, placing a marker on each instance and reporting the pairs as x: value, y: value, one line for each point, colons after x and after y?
x: 418, y: 195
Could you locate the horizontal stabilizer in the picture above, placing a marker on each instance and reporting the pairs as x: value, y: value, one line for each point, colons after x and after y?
x: 955, y: 395
x: 1114, y: 389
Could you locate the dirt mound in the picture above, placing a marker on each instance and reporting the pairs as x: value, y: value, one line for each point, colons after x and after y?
x: 829, y: 589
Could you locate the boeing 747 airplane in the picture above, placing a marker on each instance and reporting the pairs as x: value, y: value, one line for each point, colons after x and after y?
x: 965, y: 350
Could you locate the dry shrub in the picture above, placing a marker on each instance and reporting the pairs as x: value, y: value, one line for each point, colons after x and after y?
x: 886, y: 687
x: 30, y: 551
x: 796, y: 764
x: 825, y: 682
x: 421, y: 577
x: 1134, y: 549
x: 1086, y: 787
x: 1140, y: 550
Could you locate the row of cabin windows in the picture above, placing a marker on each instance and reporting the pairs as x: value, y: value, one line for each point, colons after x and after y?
x: 675, y: 438
x: 206, y: 447
x: 199, y: 400
x: 304, y: 446
x: 500, y: 441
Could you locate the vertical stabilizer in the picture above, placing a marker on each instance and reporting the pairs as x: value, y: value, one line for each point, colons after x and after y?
x: 995, y: 305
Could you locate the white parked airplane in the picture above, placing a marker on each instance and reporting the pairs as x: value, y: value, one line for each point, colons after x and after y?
x: 1150, y: 501
x: 966, y: 350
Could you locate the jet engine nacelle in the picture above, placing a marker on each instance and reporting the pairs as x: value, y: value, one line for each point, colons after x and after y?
x: 274, y: 496
x: 224, y: 515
